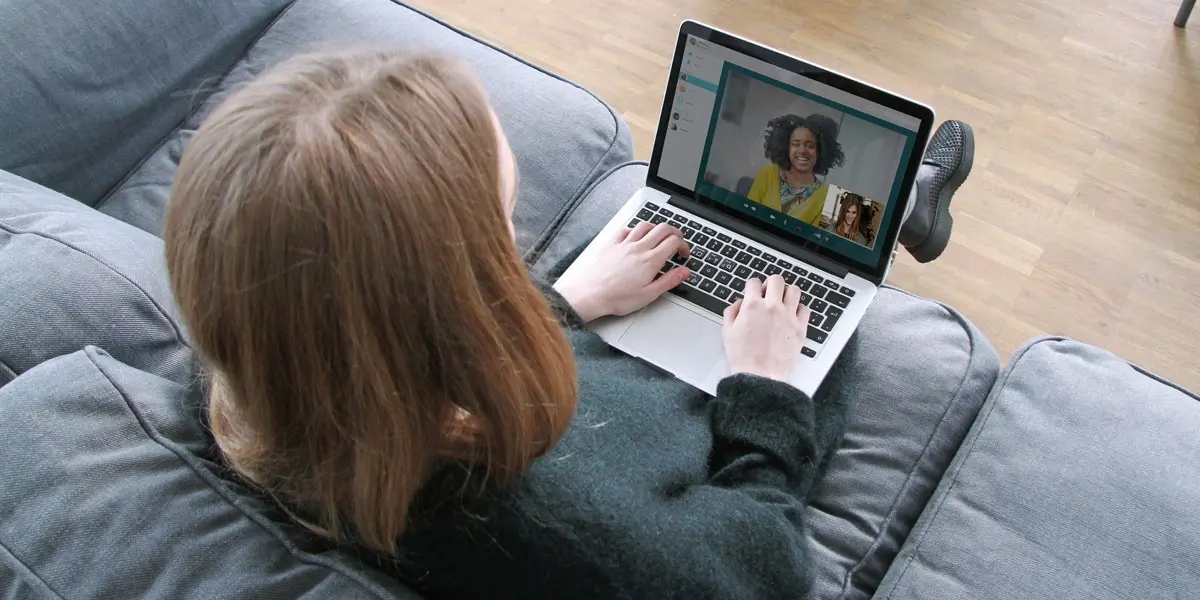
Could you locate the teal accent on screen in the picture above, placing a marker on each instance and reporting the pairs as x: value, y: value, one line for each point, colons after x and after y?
x: 869, y: 257
x: 700, y: 83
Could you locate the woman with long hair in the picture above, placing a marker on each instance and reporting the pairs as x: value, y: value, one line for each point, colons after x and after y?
x: 340, y: 243
x: 799, y: 149
x: 850, y: 223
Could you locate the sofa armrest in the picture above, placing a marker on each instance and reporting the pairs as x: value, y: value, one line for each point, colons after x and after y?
x: 1079, y: 479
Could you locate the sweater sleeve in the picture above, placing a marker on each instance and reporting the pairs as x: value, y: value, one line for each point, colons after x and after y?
x: 566, y: 315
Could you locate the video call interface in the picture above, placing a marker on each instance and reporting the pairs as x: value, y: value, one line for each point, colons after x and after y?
x: 800, y: 156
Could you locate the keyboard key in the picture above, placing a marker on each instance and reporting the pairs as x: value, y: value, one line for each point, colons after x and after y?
x: 724, y: 278
x: 656, y: 219
x: 789, y: 277
x: 816, y: 278
x: 814, y: 334
x: 633, y: 223
x: 818, y: 291
x: 700, y: 299
x: 712, y: 258
x: 735, y: 297
x: 818, y: 305
x: 644, y: 214
x: 688, y: 232
x: 769, y: 257
x: 753, y: 250
x: 805, y: 299
x: 694, y: 264
x: 742, y: 272
x: 744, y: 258
x: 739, y: 244
x: 722, y: 292
x: 758, y: 264
x: 665, y: 212
x: 801, y: 271
x: 708, y: 285
x: 830, y: 319
x: 772, y: 270
x: 728, y: 265
x: 714, y: 245
x: 847, y: 291
x: 729, y: 251
x: 805, y: 284
x: 699, y: 252
x: 724, y: 237
x: 695, y: 224
x: 833, y: 312
x: 678, y: 221
x: 708, y: 270
x: 693, y: 278
x: 700, y: 239
x: 814, y: 319
x: 678, y: 260
x: 709, y: 231
x: 759, y: 276
x: 783, y: 264
x: 837, y: 299
x: 809, y: 352
x: 652, y: 206
x: 738, y: 284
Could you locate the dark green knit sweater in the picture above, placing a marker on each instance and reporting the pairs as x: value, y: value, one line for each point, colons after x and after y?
x: 656, y: 491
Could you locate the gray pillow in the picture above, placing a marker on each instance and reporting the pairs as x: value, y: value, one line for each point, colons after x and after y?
x: 90, y: 88
x: 74, y: 277
x: 563, y: 136
x: 105, y: 497
x: 1079, y: 480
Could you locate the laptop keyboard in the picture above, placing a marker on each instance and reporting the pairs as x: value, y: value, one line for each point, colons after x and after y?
x: 720, y: 265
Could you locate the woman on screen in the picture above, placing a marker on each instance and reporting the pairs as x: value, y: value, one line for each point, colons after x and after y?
x: 799, y: 149
x: 850, y: 219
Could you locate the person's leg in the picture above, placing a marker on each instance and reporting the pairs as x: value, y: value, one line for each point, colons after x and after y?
x: 945, y: 166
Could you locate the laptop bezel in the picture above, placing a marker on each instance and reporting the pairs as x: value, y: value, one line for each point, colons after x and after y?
x: 872, y: 272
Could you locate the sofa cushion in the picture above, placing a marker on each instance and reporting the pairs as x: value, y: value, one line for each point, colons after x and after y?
x: 90, y: 88
x: 922, y: 374
x: 563, y: 137
x: 105, y: 497
x: 1079, y: 480
x: 74, y: 277
x: 587, y: 216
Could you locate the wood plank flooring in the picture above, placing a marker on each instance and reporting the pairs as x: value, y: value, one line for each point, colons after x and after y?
x: 1082, y: 216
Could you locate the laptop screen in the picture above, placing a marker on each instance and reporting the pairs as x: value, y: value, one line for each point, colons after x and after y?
x: 803, y: 158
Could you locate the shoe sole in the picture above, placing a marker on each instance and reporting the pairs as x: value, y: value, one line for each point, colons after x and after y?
x: 943, y: 221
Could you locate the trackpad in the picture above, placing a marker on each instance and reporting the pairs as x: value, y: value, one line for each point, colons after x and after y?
x: 675, y: 339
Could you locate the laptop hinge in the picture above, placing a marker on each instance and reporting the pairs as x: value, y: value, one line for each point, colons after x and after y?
x: 762, y: 237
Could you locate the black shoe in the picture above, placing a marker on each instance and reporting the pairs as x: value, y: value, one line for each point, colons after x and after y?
x: 947, y: 162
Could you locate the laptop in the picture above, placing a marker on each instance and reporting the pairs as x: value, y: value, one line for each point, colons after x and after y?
x: 717, y: 173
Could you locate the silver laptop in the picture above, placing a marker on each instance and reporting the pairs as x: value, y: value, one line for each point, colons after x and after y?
x: 715, y: 173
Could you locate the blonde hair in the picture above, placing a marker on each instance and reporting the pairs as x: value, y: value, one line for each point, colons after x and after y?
x: 337, y: 244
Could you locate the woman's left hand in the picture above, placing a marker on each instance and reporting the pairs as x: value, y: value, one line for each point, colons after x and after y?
x: 624, y: 275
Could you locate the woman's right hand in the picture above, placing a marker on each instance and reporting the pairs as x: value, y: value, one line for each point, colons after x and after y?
x: 765, y: 330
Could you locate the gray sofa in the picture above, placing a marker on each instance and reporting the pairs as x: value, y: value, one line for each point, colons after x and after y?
x: 1069, y: 474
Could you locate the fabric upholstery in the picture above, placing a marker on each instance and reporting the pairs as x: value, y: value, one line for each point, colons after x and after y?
x: 74, y: 277
x: 922, y: 374
x: 90, y: 88
x: 1079, y: 480
x: 563, y: 137
x: 589, y: 215
x: 106, y: 497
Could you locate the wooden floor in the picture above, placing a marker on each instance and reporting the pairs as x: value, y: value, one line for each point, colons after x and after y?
x: 1082, y: 215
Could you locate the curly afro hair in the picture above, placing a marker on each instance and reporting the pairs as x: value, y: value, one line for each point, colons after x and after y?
x: 779, y: 134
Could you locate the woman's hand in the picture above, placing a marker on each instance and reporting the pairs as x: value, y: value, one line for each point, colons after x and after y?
x: 623, y: 276
x: 765, y: 330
